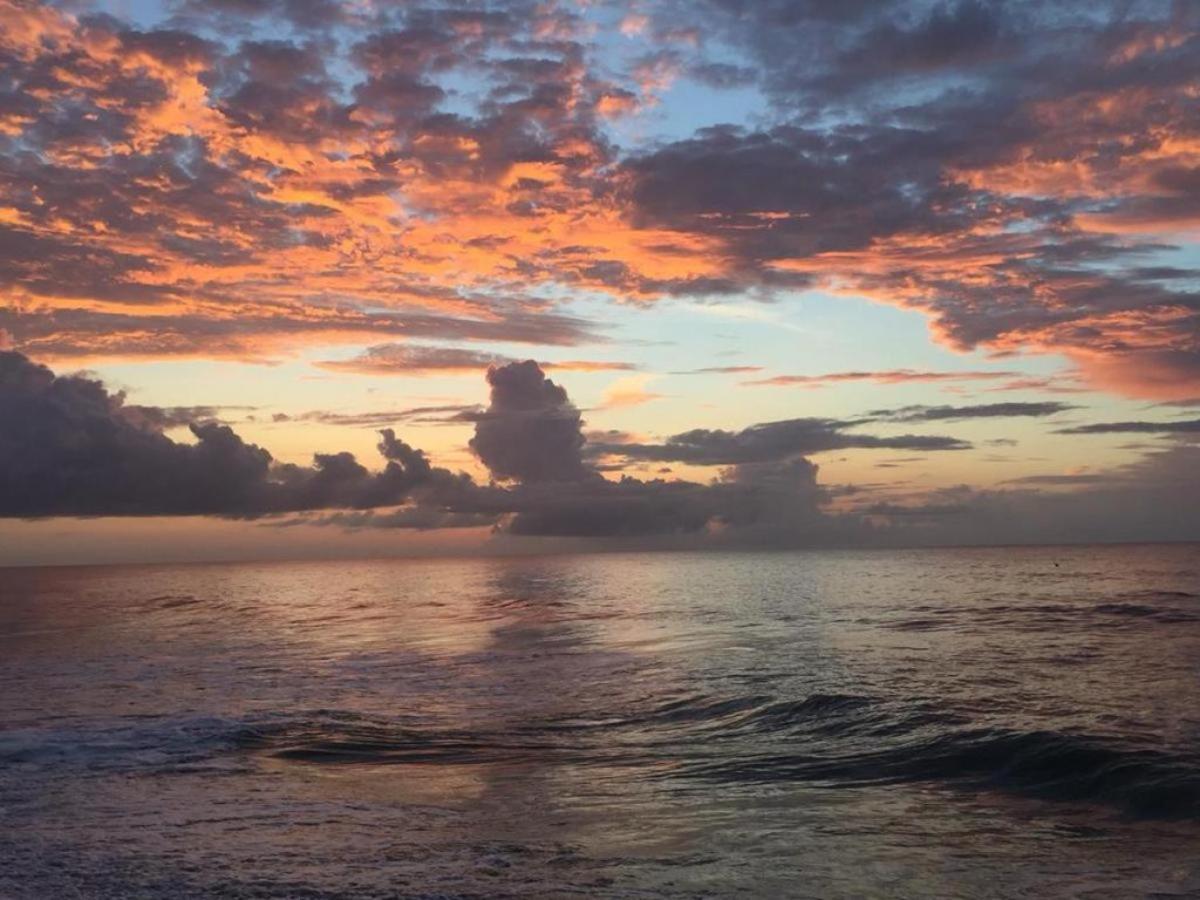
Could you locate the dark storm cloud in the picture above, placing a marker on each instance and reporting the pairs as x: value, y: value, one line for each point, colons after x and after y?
x: 978, y: 411
x: 771, y: 504
x: 769, y: 442
x: 762, y: 500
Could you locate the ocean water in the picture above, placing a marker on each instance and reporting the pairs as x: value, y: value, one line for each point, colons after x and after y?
x: 979, y: 723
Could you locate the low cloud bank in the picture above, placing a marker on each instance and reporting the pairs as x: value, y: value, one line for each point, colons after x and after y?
x: 70, y: 447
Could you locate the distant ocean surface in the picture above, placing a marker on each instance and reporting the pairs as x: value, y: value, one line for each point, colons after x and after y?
x: 983, y: 723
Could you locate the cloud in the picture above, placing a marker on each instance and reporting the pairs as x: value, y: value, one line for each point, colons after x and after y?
x: 417, y: 359
x: 261, y: 333
x: 630, y: 391
x: 1155, y: 498
x: 1015, y: 172
x: 530, y: 430
x: 721, y: 370
x: 890, y: 376
x: 978, y: 411
x: 446, y: 414
x: 995, y: 167
x: 162, y: 418
x: 1185, y: 426
x: 68, y: 447
x: 1062, y: 383
x: 167, y: 186
x: 769, y: 442
x: 408, y: 359
x: 531, y: 438
x: 1069, y: 479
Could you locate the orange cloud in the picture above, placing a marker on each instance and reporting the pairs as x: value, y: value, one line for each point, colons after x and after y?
x: 172, y: 194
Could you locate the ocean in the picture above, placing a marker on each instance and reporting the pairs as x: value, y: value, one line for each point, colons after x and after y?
x: 982, y: 723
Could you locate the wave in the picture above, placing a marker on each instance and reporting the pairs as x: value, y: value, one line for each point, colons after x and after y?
x: 842, y: 741
x: 1120, y: 610
x: 129, y: 744
x: 1050, y: 765
x: 835, y: 740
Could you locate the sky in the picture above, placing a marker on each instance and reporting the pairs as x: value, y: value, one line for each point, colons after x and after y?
x: 289, y: 278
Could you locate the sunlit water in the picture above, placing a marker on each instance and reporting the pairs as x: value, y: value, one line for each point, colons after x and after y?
x: 974, y: 723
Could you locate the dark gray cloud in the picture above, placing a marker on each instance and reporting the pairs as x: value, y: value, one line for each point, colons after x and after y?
x: 1185, y: 426
x: 67, y: 447
x: 530, y: 431
x: 1156, y: 498
x: 977, y: 411
x: 307, y: 14
x: 770, y: 442
x: 162, y: 418
x: 448, y: 414
x: 1071, y: 480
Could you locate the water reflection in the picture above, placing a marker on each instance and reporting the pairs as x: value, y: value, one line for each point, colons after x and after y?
x: 970, y: 723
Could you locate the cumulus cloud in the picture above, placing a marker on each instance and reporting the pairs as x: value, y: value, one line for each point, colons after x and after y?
x: 69, y: 447
x: 530, y: 431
